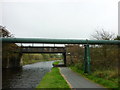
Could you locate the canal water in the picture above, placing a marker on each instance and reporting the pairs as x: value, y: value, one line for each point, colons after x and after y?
x: 29, y: 76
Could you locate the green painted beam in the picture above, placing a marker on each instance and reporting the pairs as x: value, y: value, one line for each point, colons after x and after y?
x: 58, y: 41
x: 87, y: 59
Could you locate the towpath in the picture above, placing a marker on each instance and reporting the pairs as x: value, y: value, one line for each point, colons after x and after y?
x: 77, y: 81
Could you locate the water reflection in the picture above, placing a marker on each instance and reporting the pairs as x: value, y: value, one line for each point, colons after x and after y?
x: 28, y: 76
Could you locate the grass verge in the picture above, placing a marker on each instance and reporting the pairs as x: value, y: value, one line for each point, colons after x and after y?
x: 34, y: 61
x: 101, y: 81
x: 53, y: 79
x: 56, y: 62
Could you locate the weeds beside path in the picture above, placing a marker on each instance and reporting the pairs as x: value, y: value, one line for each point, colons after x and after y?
x: 53, y: 79
x: 106, y: 83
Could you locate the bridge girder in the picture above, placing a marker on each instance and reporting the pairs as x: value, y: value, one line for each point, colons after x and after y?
x: 41, y: 49
x: 58, y: 41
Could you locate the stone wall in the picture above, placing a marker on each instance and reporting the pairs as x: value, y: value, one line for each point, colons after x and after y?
x: 10, y: 59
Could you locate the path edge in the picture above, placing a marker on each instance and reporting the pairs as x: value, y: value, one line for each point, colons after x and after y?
x: 65, y: 78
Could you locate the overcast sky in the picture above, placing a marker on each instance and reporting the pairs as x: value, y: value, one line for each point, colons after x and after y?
x: 59, y: 18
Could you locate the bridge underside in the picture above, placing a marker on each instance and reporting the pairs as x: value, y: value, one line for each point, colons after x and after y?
x: 45, y: 50
x: 42, y: 50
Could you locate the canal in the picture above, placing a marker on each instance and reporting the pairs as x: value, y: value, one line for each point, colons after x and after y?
x: 29, y: 76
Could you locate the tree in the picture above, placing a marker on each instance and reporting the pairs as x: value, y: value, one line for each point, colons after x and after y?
x: 103, y: 35
x: 117, y: 38
x: 105, y: 55
x: 4, y: 32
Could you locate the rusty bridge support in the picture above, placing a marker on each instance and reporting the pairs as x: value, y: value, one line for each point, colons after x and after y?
x: 64, y: 55
x: 87, y: 59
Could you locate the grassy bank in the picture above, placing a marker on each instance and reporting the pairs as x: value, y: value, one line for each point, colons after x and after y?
x: 33, y: 58
x: 56, y: 62
x: 33, y: 61
x: 99, y: 77
x: 53, y: 79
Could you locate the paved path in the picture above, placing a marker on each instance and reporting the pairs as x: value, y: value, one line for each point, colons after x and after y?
x: 77, y: 81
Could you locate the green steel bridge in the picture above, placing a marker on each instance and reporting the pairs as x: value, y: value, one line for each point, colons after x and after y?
x: 86, y: 44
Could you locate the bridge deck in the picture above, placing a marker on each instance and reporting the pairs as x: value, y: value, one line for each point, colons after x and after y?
x: 42, y: 49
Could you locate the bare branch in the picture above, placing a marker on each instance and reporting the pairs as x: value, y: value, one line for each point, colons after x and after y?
x: 103, y: 35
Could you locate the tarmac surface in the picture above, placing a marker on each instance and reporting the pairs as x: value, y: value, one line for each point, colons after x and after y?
x: 77, y: 81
